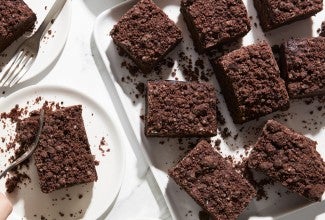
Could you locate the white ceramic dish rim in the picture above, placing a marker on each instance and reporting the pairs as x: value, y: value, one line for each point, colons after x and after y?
x: 97, y: 105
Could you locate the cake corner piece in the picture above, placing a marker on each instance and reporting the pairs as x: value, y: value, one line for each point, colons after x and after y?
x: 291, y: 159
x: 212, y: 182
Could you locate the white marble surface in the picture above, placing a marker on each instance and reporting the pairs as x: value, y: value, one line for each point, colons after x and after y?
x: 79, y: 67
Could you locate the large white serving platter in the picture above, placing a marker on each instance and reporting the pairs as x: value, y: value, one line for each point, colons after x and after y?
x: 161, y: 157
x: 52, y: 43
x: 29, y: 202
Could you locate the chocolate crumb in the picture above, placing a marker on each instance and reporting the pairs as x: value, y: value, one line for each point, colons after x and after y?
x: 225, y: 133
x: 140, y: 87
x: 203, y: 215
x: 217, y: 143
x: 13, y: 181
x: 220, y: 119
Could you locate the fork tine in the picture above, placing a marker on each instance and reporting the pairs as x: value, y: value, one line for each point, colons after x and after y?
x: 16, y: 68
x: 21, y: 73
x: 7, y: 68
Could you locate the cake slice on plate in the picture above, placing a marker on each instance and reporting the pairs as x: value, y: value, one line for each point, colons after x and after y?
x: 15, y: 19
x: 63, y: 157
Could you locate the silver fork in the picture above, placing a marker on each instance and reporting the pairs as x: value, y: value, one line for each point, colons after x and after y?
x: 26, y: 53
x: 30, y: 151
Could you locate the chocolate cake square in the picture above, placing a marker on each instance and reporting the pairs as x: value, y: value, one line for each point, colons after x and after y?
x: 15, y: 19
x: 63, y: 157
x: 212, y: 182
x: 212, y: 22
x: 303, y: 66
x: 146, y: 34
x: 250, y: 81
x: 180, y: 109
x: 291, y: 159
x: 276, y: 13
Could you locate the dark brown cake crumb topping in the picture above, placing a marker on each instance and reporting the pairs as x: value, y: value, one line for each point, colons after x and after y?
x: 214, y: 22
x: 225, y: 133
x: 303, y: 66
x: 275, y: 13
x: 16, y: 19
x: 25, y: 134
x: 212, y: 182
x: 146, y: 34
x: 63, y: 157
x: 13, y: 115
x: 180, y: 109
x: 251, y: 83
x: 13, y: 181
x: 193, y: 70
x: 291, y: 159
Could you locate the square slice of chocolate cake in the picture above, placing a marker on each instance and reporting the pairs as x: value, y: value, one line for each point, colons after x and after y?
x: 180, y: 109
x: 212, y: 22
x: 303, y: 66
x: 291, y: 159
x: 250, y: 80
x: 15, y: 19
x: 276, y: 13
x: 146, y: 34
x: 63, y: 157
x: 212, y: 182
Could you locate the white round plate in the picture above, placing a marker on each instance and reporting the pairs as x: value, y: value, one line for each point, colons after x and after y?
x: 29, y: 202
x: 52, y: 43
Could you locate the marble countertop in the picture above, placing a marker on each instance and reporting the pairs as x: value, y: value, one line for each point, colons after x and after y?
x: 79, y: 67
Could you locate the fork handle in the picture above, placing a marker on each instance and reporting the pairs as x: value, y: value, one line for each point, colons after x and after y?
x: 53, y: 13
